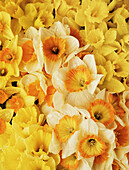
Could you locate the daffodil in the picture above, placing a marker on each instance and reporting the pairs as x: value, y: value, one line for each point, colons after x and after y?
x: 78, y: 80
x: 35, y: 85
x: 102, y: 112
x: 93, y: 11
x: 40, y: 13
x: 57, y: 45
x: 14, y: 9
x: 122, y: 135
x: 30, y: 15
x: 33, y: 120
x: 19, y: 100
x: 40, y: 141
x: 6, y: 71
x: 28, y: 162
x: 5, y: 26
x: 12, y: 53
x: 32, y: 59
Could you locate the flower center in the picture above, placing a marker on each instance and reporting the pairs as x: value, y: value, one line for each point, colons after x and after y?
x: 66, y: 127
x: 91, y: 142
x: 77, y: 79
x: 71, y: 162
x: 3, y: 72
x: 98, y: 116
x: 55, y: 50
x: 91, y: 145
x: 6, y: 55
x: 102, y: 112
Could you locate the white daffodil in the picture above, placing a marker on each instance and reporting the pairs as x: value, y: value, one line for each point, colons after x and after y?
x: 78, y: 80
x: 35, y: 85
x: 58, y: 44
x: 32, y: 58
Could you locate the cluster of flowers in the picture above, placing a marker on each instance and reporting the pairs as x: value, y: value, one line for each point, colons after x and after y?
x: 64, y: 84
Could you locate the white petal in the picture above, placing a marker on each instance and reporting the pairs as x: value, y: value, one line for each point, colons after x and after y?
x: 59, y: 29
x: 31, y: 32
x: 83, y: 165
x: 58, y: 100
x: 80, y: 99
x: 42, y: 80
x: 101, y: 94
x: 58, y: 79
x: 27, y: 79
x: 44, y: 33
x: 45, y: 109
x: 32, y: 66
x: 70, y: 110
x: 53, y: 118
x: 92, y: 86
x: 71, y: 44
x: 90, y: 61
x: 107, y: 135
x: 121, y: 151
x: 70, y: 146
x: 74, y: 62
x: 70, y: 56
x: 119, y: 120
x: 38, y: 50
x: 88, y: 126
x: 54, y: 146
x: 51, y: 66
x: 84, y: 112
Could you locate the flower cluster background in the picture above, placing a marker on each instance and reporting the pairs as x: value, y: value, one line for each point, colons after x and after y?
x: 64, y: 84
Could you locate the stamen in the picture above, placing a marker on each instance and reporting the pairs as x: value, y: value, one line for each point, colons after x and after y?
x: 55, y: 50
x: 98, y: 116
x: 3, y: 72
x: 91, y: 142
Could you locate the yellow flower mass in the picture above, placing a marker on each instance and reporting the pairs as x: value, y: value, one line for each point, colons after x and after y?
x: 64, y: 84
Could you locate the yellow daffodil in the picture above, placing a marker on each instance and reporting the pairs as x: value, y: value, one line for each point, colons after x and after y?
x: 40, y: 141
x: 93, y: 11
x: 12, y: 53
x: 6, y: 71
x: 5, y: 26
x: 14, y: 10
x: 30, y: 14
x: 33, y: 120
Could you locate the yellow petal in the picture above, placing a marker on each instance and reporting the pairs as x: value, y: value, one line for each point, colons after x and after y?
x: 113, y: 85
